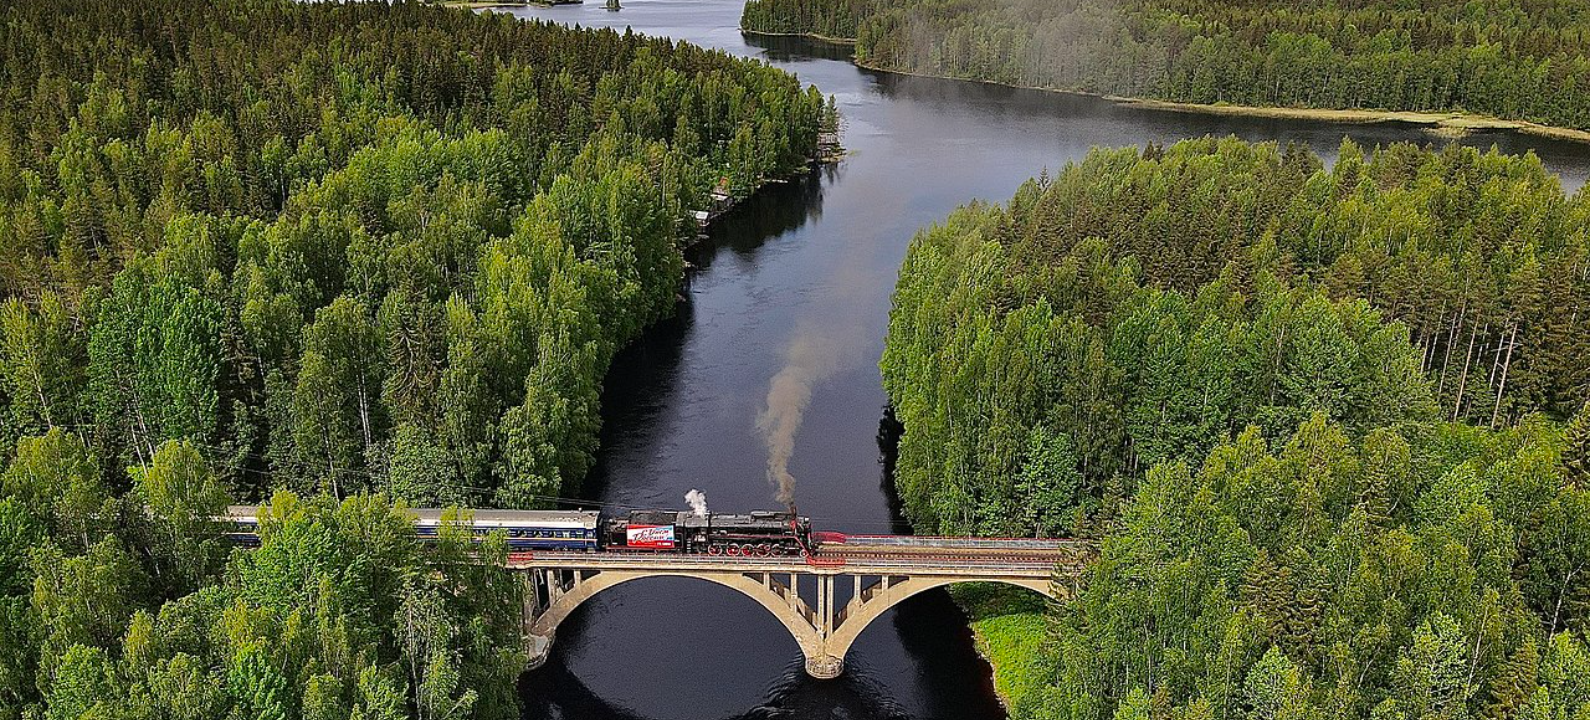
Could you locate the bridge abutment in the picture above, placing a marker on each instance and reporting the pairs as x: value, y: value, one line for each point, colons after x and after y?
x: 539, y: 648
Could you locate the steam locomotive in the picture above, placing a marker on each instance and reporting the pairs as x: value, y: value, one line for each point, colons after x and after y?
x: 758, y: 534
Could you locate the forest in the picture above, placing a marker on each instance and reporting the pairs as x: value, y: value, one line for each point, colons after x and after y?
x: 1329, y: 426
x: 322, y: 255
x: 1517, y: 59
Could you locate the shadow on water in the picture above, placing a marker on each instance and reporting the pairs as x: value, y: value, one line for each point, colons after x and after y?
x: 990, y: 96
x: 771, y: 212
x: 575, y: 700
x: 889, y: 432
x: 788, y: 48
x: 921, y: 624
x: 640, y: 384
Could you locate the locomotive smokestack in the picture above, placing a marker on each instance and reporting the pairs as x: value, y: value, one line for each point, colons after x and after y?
x: 697, y: 501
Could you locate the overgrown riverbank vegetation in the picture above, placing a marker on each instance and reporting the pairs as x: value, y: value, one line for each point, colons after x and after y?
x: 1328, y: 424
x: 331, y: 250
x: 1522, y: 59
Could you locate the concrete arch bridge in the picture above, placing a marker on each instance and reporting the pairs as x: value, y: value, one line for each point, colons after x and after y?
x: 824, y: 603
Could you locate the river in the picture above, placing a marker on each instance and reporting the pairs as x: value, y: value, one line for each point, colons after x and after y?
x: 812, y: 264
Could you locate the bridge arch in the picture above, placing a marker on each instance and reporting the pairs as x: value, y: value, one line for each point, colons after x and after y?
x: 875, y: 601
x: 824, y: 634
x: 771, y: 595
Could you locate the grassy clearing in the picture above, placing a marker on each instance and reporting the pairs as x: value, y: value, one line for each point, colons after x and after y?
x: 1009, y: 624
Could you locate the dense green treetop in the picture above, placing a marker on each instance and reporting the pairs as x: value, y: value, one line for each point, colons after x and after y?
x: 1427, y: 572
x: 321, y: 254
x: 1311, y: 414
x: 1518, y: 59
x: 1143, y: 305
x: 353, y: 246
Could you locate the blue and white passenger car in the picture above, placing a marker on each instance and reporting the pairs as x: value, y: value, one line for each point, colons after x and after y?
x: 525, y: 529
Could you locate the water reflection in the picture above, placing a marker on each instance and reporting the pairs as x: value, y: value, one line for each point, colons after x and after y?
x: 773, y: 212
x: 785, y: 49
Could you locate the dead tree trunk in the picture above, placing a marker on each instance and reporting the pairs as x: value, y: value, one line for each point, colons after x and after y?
x: 1511, y: 343
x: 1452, y: 336
x: 1463, y: 380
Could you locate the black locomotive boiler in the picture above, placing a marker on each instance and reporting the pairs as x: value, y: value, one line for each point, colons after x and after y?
x: 758, y: 534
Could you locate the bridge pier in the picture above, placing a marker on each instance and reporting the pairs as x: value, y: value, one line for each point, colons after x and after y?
x: 825, y: 666
x: 538, y: 644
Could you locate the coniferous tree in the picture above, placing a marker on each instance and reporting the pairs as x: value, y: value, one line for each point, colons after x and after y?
x: 1576, y: 452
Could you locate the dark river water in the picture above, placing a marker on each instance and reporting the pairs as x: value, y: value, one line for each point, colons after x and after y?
x: 812, y: 264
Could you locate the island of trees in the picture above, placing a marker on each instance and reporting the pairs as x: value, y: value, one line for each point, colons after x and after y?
x: 1329, y: 426
x: 1520, y: 59
x: 344, y: 252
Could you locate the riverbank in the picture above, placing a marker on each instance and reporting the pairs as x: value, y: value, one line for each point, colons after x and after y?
x: 1008, y: 626
x: 850, y: 42
x: 1448, y: 123
x: 1451, y: 124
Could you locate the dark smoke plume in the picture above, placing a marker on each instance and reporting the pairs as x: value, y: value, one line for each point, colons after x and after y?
x: 810, y: 357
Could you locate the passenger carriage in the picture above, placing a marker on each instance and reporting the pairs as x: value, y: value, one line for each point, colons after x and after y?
x: 525, y: 529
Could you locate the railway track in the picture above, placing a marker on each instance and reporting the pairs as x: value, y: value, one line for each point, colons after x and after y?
x: 952, y: 557
x: 874, y: 562
x: 908, y: 551
x: 953, y: 549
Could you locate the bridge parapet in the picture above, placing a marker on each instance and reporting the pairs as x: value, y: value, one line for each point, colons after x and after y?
x: 555, y: 584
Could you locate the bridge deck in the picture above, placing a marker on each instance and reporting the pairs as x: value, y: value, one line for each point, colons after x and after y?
x: 913, y: 565
x: 946, y: 542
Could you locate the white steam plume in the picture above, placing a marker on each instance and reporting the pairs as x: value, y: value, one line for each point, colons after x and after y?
x: 697, y: 501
